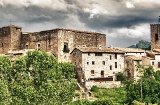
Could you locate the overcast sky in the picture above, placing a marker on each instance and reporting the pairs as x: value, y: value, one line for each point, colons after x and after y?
x: 125, y: 22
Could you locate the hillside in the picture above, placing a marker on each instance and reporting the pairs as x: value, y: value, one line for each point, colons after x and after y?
x: 142, y: 44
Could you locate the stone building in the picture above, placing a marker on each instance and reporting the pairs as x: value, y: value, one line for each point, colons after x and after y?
x: 60, y: 42
x: 10, y: 38
x: 155, y: 36
x: 152, y: 59
x: 97, y: 66
x: 132, y: 58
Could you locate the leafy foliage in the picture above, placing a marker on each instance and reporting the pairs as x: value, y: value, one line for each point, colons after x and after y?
x: 148, y: 84
x: 121, y: 77
x: 115, y: 95
x: 36, y: 78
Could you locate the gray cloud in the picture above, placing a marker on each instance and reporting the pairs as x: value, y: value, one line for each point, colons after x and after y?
x: 121, y: 20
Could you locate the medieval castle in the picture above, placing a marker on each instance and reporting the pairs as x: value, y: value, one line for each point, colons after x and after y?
x: 94, y: 63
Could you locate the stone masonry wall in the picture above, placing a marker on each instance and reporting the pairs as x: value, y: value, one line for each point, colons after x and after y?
x: 44, y: 40
x: 76, y: 38
x: 15, y: 37
x: 5, y: 39
x: 76, y: 59
x: 155, y: 40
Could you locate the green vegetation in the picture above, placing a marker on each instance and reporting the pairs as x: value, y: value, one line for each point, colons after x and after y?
x: 115, y: 95
x: 36, y: 79
x: 146, y: 89
x: 142, y: 45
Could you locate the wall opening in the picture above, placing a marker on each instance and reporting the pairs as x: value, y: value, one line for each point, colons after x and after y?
x: 115, y: 64
x: 115, y: 56
x: 26, y: 46
x: 102, y: 73
x: 92, y: 72
x: 38, y: 46
x: 156, y: 37
x: 65, y: 48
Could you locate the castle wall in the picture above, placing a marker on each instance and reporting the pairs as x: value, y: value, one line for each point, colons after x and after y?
x: 15, y: 37
x: 5, y: 39
x: 75, y: 38
x: 45, y: 40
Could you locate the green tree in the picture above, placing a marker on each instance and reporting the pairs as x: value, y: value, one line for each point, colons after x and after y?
x: 37, y: 79
x: 146, y: 88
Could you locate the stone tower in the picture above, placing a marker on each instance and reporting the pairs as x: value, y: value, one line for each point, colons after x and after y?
x: 10, y: 38
x: 155, y: 36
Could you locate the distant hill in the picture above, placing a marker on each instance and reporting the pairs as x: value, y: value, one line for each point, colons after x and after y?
x: 142, y: 44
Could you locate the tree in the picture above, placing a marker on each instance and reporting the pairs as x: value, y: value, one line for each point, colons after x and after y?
x: 147, y: 86
x: 37, y: 78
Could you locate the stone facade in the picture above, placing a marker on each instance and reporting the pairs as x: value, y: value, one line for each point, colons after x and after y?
x: 155, y: 36
x: 97, y: 65
x: 59, y: 42
x: 9, y: 38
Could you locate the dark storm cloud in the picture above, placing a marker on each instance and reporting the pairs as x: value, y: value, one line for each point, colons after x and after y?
x: 122, y: 19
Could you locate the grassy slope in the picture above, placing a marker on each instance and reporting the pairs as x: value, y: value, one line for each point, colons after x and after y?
x: 116, y: 95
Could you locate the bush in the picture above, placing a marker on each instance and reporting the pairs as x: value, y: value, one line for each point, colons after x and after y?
x: 94, y: 89
x: 102, y: 102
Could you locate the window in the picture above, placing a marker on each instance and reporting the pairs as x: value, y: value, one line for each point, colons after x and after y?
x: 98, y: 54
x: 158, y: 64
x: 156, y: 37
x: 152, y: 62
x: 65, y: 48
x: 87, y: 63
x: 38, y: 46
x: 115, y: 64
x: 102, y: 73
x: 92, y: 72
x: 93, y: 62
x: 26, y: 46
x: 110, y: 67
x: 103, y: 62
x: 1, y: 44
x: 88, y: 54
x: 110, y: 57
x: 115, y: 56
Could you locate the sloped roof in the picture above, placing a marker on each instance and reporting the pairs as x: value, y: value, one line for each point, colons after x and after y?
x: 130, y: 50
x: 133, y: 57
x: 95, y: 49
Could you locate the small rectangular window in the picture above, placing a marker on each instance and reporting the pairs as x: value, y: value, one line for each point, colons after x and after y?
x: 115, y: 64
x: 98, y: 54
x: 115, y: 56
x: 110, y: 57
x: 87, y: 63
x: 93, y: 62
x: 38, y: 46
x: 158, y: 64
x: 103, y: 62
x: 152, y: 62
x: 65, y: 48
x: 88, y: 54
x: 102, y: 73
x: 110, y: 67
x: 92, y: 72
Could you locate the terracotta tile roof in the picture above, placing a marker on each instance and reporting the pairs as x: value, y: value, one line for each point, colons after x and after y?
x: 154, y: 51
x: 133, y: 57
x: 95, y: 49
x: 148, y: 57
x: 130, y: 49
